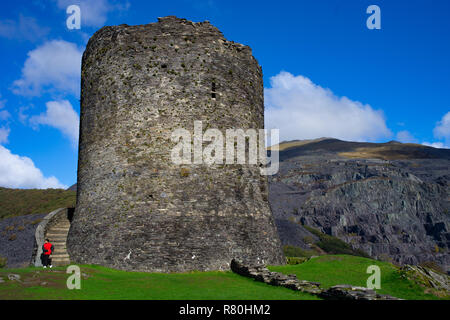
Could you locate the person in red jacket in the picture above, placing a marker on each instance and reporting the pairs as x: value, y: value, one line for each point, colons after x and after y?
x: 47, y: 250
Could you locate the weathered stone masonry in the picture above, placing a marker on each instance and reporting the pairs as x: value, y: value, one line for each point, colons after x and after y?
x: 136, y: 210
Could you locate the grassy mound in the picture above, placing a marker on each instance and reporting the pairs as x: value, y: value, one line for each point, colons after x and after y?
x: 332, y: 270
x: 19, y: 202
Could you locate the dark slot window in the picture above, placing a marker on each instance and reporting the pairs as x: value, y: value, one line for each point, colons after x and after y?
x: 213, y: 90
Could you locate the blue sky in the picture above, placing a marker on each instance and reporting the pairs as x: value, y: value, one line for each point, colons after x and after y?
x: 325, y: 72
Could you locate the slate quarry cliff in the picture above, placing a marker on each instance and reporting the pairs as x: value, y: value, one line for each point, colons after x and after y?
x: 391, y: 200
x: 136, y: 209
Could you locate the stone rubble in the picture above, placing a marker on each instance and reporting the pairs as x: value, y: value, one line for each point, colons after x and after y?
x: 339, y: 292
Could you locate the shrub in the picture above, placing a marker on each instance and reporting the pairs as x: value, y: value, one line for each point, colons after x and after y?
x: 295, y: 260
x: 432, y: 265
x: 3, y: 262
x: 292, y: 251
x: 335, y: 245
x: 35, y: 221
x: 184, y: 172
x: 308, y: 239
x: 12, y: 237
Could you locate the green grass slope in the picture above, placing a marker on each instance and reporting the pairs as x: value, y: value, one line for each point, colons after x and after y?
x: 19, y: 202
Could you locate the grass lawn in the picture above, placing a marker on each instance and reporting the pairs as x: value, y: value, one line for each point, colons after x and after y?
x: 332, y: 270
x: 105, y: 283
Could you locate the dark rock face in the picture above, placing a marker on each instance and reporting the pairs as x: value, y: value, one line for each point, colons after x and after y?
x: 391, y: 209
x: 136, y: 209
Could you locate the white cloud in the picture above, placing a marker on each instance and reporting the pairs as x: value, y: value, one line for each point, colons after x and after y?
x: 442, y: 129
x: 26, y: 28
x: 2, y: 102
x: 20, y: 172
x: 435, y: 145
x: 54, y: 65
x: 4, y: 133
x: 94, y: 13
x: 4, y: 114
x: 442, y: 132
x: 304, y: 110
x: 406, y: 137
x: 62, y: 116
x: 23, y: 117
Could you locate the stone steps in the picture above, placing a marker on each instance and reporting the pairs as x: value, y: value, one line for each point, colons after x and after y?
x: 59, y: 229
x: 57, y: 235
x: 58, y: 257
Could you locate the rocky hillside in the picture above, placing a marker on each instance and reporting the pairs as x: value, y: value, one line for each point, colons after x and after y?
x: 390, y: 200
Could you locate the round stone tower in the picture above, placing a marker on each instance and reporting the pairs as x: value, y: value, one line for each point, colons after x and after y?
x: 136, y: 209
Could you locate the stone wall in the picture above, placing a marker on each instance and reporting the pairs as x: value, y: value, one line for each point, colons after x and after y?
x: 136, y: 210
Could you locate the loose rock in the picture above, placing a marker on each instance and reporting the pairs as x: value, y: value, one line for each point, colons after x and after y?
x: 13, y: 277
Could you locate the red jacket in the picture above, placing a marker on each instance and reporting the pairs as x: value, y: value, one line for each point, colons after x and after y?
x: 47, y: 248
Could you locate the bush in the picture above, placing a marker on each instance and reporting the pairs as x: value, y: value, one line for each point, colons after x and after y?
x: 291, y: 251
x: 433, y: 266
x: 335, y: 245
x: 308, y: 239
x: 295, y: 260
x: 3, y: 262
x: 34, y: 222
x: 184, y: 172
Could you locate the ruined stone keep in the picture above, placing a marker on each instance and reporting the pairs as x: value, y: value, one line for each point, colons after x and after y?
x: 136, y: 209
